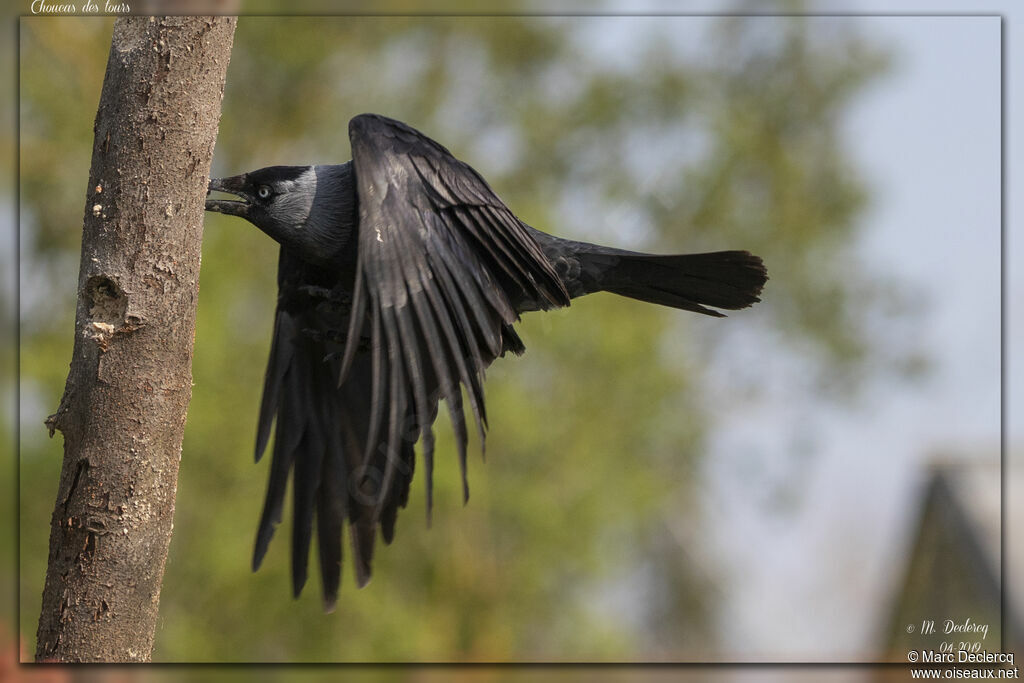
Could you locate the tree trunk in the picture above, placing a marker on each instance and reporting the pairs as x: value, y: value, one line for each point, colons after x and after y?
x: 123, y: 410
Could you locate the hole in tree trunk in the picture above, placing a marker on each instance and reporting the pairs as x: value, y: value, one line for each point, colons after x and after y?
x: 107, y: 301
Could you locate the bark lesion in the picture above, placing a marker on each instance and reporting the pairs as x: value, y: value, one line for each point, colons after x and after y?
x: 108, y: 306
x: 106, y: 300
x: 81, y: 469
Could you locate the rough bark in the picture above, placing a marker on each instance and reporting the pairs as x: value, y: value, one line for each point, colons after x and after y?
x: 123, y: 410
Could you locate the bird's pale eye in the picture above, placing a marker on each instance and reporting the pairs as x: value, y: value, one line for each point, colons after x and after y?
x: 263, y: 192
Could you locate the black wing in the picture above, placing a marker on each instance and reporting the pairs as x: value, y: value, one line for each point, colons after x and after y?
x: 441, y: 263
x: 441, y: 266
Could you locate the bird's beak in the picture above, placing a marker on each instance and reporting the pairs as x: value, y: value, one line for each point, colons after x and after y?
x: 234, y: 185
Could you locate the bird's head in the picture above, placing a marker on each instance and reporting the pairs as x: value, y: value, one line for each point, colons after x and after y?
x: 308, y: 208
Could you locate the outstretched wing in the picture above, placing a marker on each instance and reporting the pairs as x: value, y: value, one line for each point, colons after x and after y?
x: 442, y: 263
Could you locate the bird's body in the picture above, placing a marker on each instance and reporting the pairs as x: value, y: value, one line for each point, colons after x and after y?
x: 400, y: 277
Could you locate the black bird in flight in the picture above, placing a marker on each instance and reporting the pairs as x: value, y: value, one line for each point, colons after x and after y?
x: 400, y: 277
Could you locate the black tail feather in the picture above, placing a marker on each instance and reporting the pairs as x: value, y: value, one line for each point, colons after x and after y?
x: 692, y: 282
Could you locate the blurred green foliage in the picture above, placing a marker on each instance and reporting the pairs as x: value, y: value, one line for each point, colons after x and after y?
x: 579, y: 540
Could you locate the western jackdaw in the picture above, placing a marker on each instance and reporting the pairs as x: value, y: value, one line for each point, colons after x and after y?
x: 401, y: 275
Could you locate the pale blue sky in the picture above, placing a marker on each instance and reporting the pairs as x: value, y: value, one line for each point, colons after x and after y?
x: 813, y: 583
x: 928, y: 138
